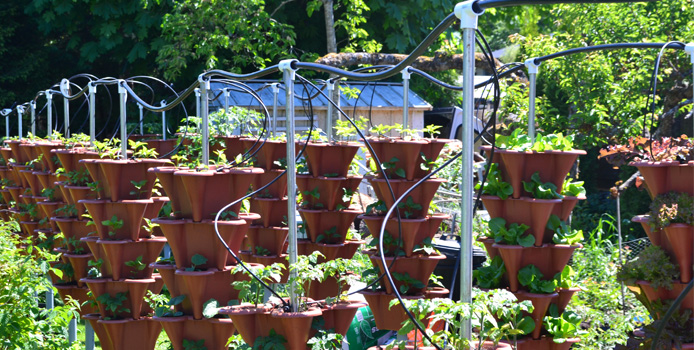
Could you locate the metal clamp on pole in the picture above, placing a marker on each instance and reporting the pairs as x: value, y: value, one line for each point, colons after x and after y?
x: 20, y: 112
x: 92, y: 113
x: 532, y: 67
x: 406, y: 97
x: 32, y: 104
x: 289, y: 74
x: 65, y: 90
x: 163, y: 120
x: 204, y: 112
x: 123, y: 94
x: 49, y: 112
x: 468, y: 14
x: 275, y: 93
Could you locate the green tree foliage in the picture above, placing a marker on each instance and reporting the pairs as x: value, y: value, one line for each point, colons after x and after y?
x: 227, y: 34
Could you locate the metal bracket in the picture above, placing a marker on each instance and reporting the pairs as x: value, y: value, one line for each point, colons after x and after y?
x: 406, y: 73
x: 275, y: 88
x: 92, y: 87
x: 65, y: 87
x: 49, y: 95
x: 121, y: 88
x: 287, y: 65
x: 532, y: 66
x: 468, y: 12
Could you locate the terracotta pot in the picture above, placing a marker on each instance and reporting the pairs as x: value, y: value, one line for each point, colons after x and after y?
x: 563, y: 210
x: 664, y: 294
x: 564, y: 297
x: 48, y: 180
x: 266, y: 152
x: 540, y: 306
x: 273, y: 212
x: 215, y: 332
x: 28, y: 228
x: 17, y: 169
x: 330, y: 251
x: 550, y: 259
x: 278, y: 189
x: 233, y: 146
x: 320, y: 222
x: 209, y: 190
x: 75, y: 229
x: 103, y: 191
x: 331, y: 190
x: 5, y: 212
x: 174, y: 283
x: 544, y: 343
x: 173, y: 188
x: 339, y: 316
x: 65, y: 279
x: 19, y: 156
x: 32, y: 182
x: 408, y: 237
x: 70, y: 158
x: 553, y: 166
x: 330, y: 159
x: 130, y: 334
x: 19, y: 216
x: 249, y: 321
x: 49, y: 160
x: 664, y: 177
x: 78, y: 193
x: 386, y: 317
x: 119, y: 176
x: 421, y: 195
x: 99, y: 330
x: 210, y: 284
x: 681, y: 237
x: 9, y: 175
x: 80, y: 265
x: 163, y: 147
x: 489, y: 247
x: 431, y: 151
x: 270, y: 239
x: 31, y: 151
x: 657, y: 238
x: 80, y: 294
x: 295, y: 327
x: 419, y: 267
x: 134, y: 291
x: 64, y: 192
x: 129, y: 211
x: 98, y: 252
x: 406, y: 153
x: 187, y: 238
x: 152, y: 212
x: 528, y: 211
x: 6, y: 153
x: 119, y: 253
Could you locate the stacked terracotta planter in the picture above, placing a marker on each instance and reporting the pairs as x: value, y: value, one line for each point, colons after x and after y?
x: 196, y: 197
x: 122, y: 246
x: 405, y: 160
x: 521, y: 208
x: 677, y: 240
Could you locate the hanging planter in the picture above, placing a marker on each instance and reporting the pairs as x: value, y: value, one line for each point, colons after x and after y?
x: 414, y: 231
x: 339, y: 316
x: 269, y: 152
x: 80, y: 265
x: 131, y: 290
x: 131, y: 259
x: 417, y: 206
x: 173, y: 188
x: 47, y: 180
x: 663, y: 293
x: 174, y: 284
x: 419, y: 268
x: 326, y: 193
x: 214, y: 332
x: 18, y: 155
x: 403, y: 157
x: 49, y: 160
x: 202, y: 286
x: 162, y: 146
x: 99, y: 253
x: 550, y: 259
x: 267, y: 240
x: 139, y: 334
x: 152, y: 212
x: 117, y: 220
x: 234, y: 146
x: 273, y: 211
x: 681, y: 238
x: 385, y: 316
x: 70, y: 158
x: 126, y: 179
x: 32, y: 181
x: 325, y: 226
x: 344, y: 250
x: 74, y: 230
x: 278, y: 189
x: 657, y: 237
x: 330, y: 159
x: 540, y: 306
x: 527, y: 211
x: 667, y: 176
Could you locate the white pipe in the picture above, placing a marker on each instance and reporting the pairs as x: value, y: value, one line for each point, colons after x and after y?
x: 532, y: 92
x: 65, y: 89
x: 406, y: 98
x: 163, y: 120
x: 92, y: 113
x: 329, y: 119
x: 32, y: 104
x: 204, y: 110
x: 49, y: 112
x: 227, y: 94
x: 275, y: 93
x: 20, y: 112
x: 123, y: 94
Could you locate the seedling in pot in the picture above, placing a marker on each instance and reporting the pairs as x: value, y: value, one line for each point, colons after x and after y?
x: 95, y: 268
x: 325, y: 340
x: 49, y: 193
x: 140, y: 150
x: 137, y: 265
x: 78, y: 177
x: 149, y: 226
x: 495, y: 186
x: 95, y: 186
x: 408, y: 282
x: 562, y: 327
x: 513, y: 235
x: 376, y: 208
x: 531, y: 278
x: 563, y: 234
x: 114, y: 224
x: 262, y: 251
x: 139, y: 188
x: 75, y: 243
x: 391, y: 167
x: 573, y: 189
x: 228, y: 215
x: 425, y: 248
x: 63, y: 271
x: 490, y: 275
x: 541, y: 190
x: 196, y: 260
x: 252, y: 291
x: 330, y: 235
x: 163, y: 307
x: 651, y: 265
x: 312, y: 194
x: 114, y: 304
x: 409, y: 205
x: 273, y: 341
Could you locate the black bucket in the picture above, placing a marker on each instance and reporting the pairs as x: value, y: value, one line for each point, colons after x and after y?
x: 449, y: 245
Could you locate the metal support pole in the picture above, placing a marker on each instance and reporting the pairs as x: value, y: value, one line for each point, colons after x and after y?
x: 49, y: 112
x: 7, y: 126
x: 92, y: 113
x: 32, y: 104
x: 689, y: 48
x: 621, y: 244
x: 123, y: 94
x: 406, y: 97
x: 204, y: 111
x: 468, y: 22
x: 331, y: 113
x: 20, y: 112
x: 65, y: 89
x: 72, y: 331
x: 88, y: 336
x: 49, y: 298
x: 142, y: 118
x: 289, y: 73
x: 275, y: 93
x: 227, y: 95
x: 532, y: 76
x: 163, y: 120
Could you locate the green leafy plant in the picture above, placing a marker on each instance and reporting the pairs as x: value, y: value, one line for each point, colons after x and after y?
x: 94, y: 268
x: 345, y: 129
x: 566, y: 278
x: 541, y: 190
x: 531, y: 278
x: 562, y: 327
x: 563, y: 233
x: 140, y: 188
x: 261, y: 251
x: 325, y: 340
x: 652, y: 265
x: 495, y: 186
x: 252, y: 291
x: 408, y: 206
x: 490, y: 275
x: 114, y: 304
x: 196, y: 260
x: 519, y: 141
x: 140, y: 150
x: 671, y: 208
x: 392, y: 170
x: 165, y: 308
x: 381, y: 130
x: 573, y: 189
x: 49, y: 193
x: 408, y: 282
x: 273, y: 341
x: 136, y: 265
x: 376, y: 208
x: 194, y: 345
x: 67, y: 210
x: 114, y: 224
x: 513, y: 235
x: 329, y: 235
x: 314, y: 194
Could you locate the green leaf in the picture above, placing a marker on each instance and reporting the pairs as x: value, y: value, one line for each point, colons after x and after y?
x: 526, y: 241
x: 210, y: 308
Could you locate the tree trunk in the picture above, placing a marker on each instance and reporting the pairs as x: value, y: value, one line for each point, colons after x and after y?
x: 329, y: 26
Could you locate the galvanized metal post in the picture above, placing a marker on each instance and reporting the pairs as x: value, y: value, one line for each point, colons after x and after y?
x: 163, y: 120
x: 204, y: 111
x: 92, y: 113
x: 532, y: 92
x: 32, y: 104
x: 331, y: 112
x: 227, y: 95
x: 20, y: 112
x: 65, y: 89
x: 142, y: 118
x: 689, y: 48
x: 289, y: 73
x: 49, y: 113
x: 72, y: 331
x: 88, y: 336
x: 275, y: 93
x: 406, y: 97
x: 123, y: 94
x: 49, y: 298
x: 468, y: 23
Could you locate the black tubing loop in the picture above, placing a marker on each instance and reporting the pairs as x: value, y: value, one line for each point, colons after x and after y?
x: 485, y: 4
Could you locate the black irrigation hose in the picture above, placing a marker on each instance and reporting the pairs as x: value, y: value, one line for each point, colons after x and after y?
x: 671, y: 311
x: 485, y: 4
